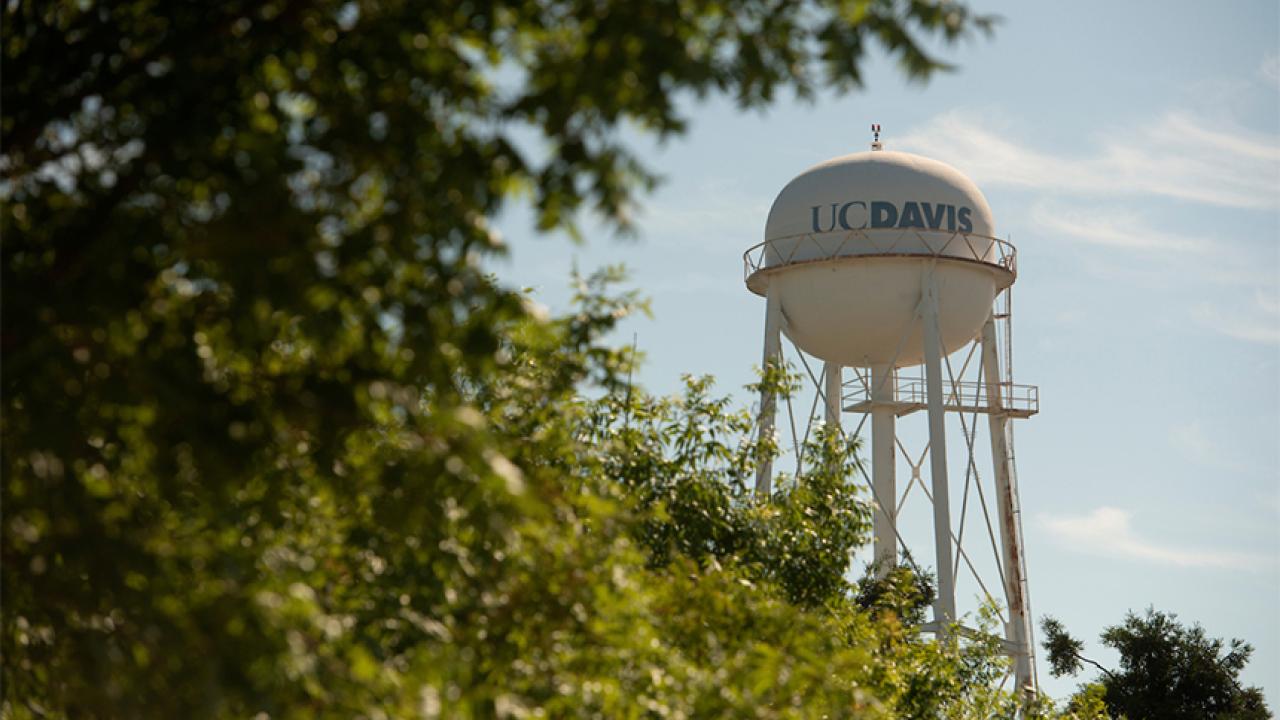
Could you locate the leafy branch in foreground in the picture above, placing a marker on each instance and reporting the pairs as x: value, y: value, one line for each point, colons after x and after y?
x: 276, y: 441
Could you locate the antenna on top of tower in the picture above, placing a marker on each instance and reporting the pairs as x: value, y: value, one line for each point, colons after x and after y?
x: 875, y: 144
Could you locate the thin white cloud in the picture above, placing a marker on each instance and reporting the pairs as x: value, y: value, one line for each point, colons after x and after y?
x: 1257, y: 322
x: 1174, y: 156
x: 1268, y: 303
x: 1270, y: 69
x: 1139, y: 252
x: 1270, y: 500
x: 1192, y: 439
x: 715, y: 212
x: 1199, y: 444
x: 1109, y: 531
x: 1114, y: 228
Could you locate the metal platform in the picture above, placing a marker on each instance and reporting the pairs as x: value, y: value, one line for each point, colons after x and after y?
x: 762, y: 260
x: 910, y: 395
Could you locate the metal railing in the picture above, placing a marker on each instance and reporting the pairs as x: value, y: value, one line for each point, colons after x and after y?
x: 960, y: 395
x: 904, y: 242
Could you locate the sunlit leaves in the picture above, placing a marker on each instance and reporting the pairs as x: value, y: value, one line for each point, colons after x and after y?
x: 274, y: 439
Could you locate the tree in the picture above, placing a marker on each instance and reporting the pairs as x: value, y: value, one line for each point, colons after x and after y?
x: 274, y: 441
x: 685, y: 465
x: 1167, y: 670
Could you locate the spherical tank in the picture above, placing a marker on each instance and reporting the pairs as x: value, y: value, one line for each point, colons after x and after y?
x: 850, y: 246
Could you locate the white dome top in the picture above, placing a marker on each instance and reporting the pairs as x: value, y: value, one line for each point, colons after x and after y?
x: 877, y: 190
x: 852, y: 244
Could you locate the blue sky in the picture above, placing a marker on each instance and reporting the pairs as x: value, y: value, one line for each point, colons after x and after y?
x: 1131, y: 151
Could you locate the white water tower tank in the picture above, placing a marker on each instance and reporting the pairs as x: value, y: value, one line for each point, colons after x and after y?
x: 849, y: 243
x: 884, y: 260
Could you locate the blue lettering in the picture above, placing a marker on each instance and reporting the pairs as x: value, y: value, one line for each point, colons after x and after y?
x: 911, y: 216
x: 883, y: 215
x: 844, y: 217
x: 933, y: 214
x: 816, y: 228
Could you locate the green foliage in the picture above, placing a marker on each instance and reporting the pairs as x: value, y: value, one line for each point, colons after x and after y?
x: 274, y: 440
x: 687, y: 463
x: 899, y: 590
x: 1171, y: 670
x: 1167, y: 670
x: 1088, y: 703
x: 1064, y: 650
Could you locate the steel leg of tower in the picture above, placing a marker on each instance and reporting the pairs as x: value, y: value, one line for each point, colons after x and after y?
x: 1018, y: 631
x: 883, y: 466
x: 768, y: 401
x: 944, y: 608
x: 832, y: 388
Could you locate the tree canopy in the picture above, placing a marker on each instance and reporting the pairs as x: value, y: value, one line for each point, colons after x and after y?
x: 1168, y: 671
x: 276, y: 442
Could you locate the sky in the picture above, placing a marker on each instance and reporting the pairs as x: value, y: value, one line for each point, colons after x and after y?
x: 1131, y: 152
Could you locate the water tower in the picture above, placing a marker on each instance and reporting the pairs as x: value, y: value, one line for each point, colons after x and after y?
x: 875, y: 264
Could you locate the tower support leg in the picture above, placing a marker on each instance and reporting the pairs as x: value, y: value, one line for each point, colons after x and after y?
x: 944, y: 608
x: 883, y: 465
x: 831, y: 390
x: 1018, y: 631
x: 768, y: 400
